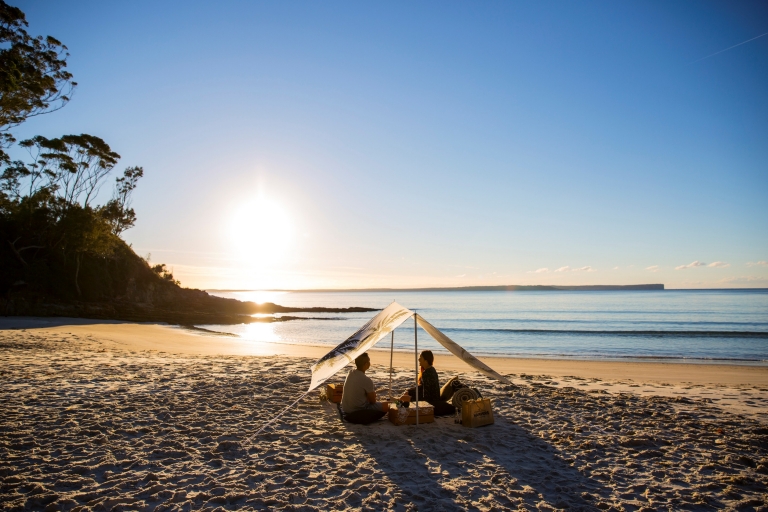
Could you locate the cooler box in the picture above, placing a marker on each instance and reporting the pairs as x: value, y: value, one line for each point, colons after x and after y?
x: 333, y: 392
x: 407, y: 416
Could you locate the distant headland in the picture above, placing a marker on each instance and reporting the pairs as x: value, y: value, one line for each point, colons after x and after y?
x: 501, y: 288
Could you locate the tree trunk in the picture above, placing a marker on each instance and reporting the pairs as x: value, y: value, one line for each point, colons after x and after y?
x: 77, y: 275
x: 17, y: 252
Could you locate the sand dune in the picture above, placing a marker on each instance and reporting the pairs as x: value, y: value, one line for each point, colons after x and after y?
x: 92, y: 419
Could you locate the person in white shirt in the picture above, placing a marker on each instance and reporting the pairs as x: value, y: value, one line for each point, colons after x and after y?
x: 358, y: 393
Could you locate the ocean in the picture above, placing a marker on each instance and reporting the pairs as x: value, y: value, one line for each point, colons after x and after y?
x: 696, y: 326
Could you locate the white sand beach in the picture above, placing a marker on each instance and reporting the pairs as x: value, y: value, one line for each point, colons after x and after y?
x: 119, y: 416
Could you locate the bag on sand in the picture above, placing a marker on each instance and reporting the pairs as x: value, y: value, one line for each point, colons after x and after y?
x: 464, y: 394
x: 476, y: 413
x: 449, y: 388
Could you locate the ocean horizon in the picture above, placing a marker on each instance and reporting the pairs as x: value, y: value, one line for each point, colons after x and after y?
x: 696, y: 326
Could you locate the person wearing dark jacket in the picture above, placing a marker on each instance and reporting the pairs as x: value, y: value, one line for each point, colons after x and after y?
x: 429, y: 386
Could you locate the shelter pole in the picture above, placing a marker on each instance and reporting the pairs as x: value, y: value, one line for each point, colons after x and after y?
x: 416, y: 357
x: 391, y: 353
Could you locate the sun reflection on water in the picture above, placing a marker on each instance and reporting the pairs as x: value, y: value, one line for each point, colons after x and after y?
x: 261, y: 331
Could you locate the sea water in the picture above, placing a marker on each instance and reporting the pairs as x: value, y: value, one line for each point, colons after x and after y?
x: 681, y: 325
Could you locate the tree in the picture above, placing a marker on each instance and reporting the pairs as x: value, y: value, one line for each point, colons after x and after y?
x: 51, y: 234
x: 84, y: 232
x: 87, y: 161
x: 48, y: 157
x: 118, y: 212
x: 161, y: 270
x: 72, y: 167
x: 33, y: 78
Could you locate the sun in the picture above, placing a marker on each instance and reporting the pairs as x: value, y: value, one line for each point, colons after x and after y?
x: 261, y: 232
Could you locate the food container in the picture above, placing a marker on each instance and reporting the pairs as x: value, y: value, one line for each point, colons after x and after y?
x: 407, y: 415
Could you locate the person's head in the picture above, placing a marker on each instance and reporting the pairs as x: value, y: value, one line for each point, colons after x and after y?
x: 426, y: 358
x: 363, y: 362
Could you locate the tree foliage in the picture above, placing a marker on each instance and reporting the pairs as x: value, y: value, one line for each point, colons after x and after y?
x: 33, y: 78
x: 161, y: 270
x: 118, y: 211
x: 72, y: 167
x: 52, y: 232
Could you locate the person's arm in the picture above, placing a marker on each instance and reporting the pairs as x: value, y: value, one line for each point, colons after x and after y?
x: 370, y: 391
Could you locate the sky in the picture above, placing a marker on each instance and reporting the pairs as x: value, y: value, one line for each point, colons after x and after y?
x: 295, y: 145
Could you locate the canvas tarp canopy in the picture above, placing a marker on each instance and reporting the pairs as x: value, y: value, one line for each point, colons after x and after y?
x: 389, y: 319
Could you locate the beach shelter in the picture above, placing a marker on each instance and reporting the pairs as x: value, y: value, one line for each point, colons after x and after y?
x: 389, y: 319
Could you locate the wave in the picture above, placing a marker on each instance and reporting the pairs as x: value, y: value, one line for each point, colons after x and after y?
x: 623, y: 357
x: 603, y: 356
x: 605, y: 321
x: 655, y: 334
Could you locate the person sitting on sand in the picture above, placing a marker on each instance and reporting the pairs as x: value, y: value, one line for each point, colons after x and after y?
x: 429, y: 386
x: 359, y: 394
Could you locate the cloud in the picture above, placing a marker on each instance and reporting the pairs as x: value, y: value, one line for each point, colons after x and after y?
x: 539, y: 271
x: 745, y: 280
x: 568, y: 268
x: 615, y: 268
x: 757, y: 264
x: 697, y: 263
x: 691, y: 265
x: 652, y: 268
x: 462, y: 275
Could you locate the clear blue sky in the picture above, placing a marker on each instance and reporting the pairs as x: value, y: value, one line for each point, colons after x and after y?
x: 443, y: 143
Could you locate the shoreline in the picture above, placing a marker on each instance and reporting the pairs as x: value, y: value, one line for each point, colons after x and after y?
x: 172, y: 339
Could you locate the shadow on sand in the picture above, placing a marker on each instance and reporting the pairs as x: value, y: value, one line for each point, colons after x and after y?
x: 445, y: 466
x: 41, y: 322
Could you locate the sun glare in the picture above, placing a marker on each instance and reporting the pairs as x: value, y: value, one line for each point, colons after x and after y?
x: 261, y: 232
x: 261, y: 332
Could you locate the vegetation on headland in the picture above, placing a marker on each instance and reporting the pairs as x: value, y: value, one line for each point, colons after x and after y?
x: 61, y: 253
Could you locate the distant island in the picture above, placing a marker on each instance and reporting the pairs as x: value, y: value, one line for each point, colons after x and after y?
x: 501, y: 288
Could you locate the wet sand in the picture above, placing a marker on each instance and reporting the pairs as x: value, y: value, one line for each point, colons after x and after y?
x: 141, y: 417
